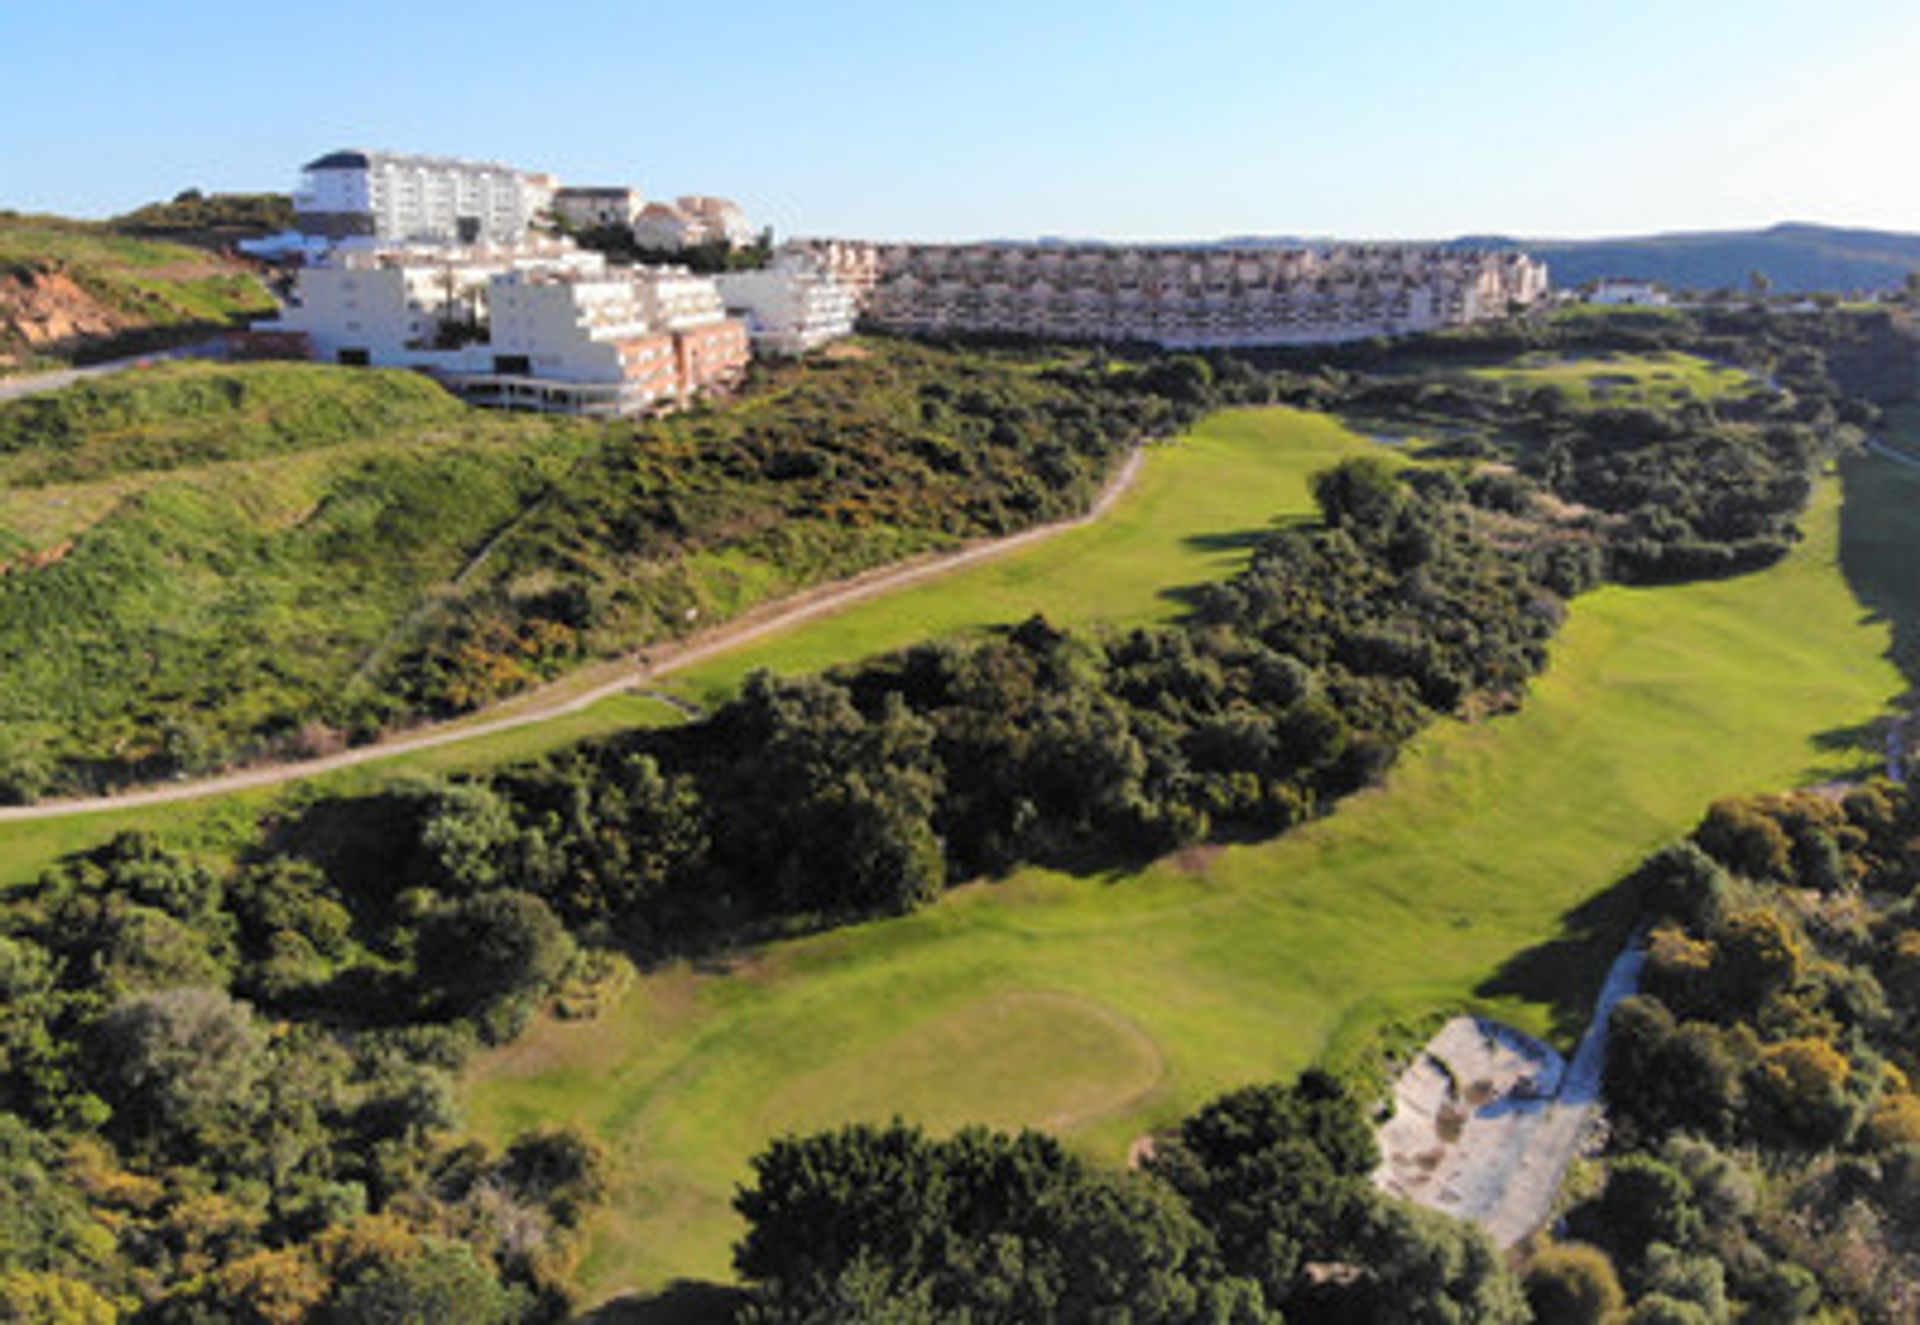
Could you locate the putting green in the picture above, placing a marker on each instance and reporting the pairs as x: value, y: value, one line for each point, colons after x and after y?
x: 1467, y: 877
x: 975, y: 1065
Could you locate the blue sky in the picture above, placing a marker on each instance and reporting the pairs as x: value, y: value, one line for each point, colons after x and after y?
x: 1193, y: 118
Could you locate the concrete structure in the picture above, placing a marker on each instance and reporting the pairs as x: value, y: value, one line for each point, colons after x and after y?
x: 1181, y: 297
x: 691, y: 221
x: 587, y: 208
x: 389, y: 197
x: 1641, y: 294
x: 793, y: 306
x: 542, y: 326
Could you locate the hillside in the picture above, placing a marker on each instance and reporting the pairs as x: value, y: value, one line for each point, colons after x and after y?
x: 206, y: 563
x: 74, y: 291
x: 1797, y: 258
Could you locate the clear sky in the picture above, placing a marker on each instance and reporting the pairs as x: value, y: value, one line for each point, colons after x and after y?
x: 1009, y: 118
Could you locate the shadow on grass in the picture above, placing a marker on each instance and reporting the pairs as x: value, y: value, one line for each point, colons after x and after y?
x: 685, y: 1302
x: 1880, y: 550
x: 1566, y: 972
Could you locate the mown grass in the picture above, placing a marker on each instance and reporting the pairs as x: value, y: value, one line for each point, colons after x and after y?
x: 1195, y: 512
x: 1654, y: 379
x: 1471, y: 877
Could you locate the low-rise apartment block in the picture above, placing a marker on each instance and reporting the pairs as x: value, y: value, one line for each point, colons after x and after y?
x: 792, y: 306
x: 1629, y: 293
x: 1182, y: 297
x: 595, y: 207
x: 543, y: 327
x: 691, y: 221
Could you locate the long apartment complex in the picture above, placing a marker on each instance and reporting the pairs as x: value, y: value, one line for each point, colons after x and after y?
x: 1178, y: 297
x: 538, y: 326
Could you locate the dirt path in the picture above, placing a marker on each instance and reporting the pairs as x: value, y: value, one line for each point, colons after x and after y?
x: 15, y: 388
x: 648, y: 667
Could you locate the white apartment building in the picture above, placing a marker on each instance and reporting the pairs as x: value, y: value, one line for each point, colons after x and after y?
x: 674, y: 299
x: 390, y: 197
x: 791, y: 307
x: 722, y: 218
x: 1184, y: 297
x: 690, y: 221
x: 594, y: 207
x: 542, y: 327
x: 1637, y: 294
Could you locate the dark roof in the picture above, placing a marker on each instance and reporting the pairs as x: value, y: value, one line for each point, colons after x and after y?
x: 348, y: 160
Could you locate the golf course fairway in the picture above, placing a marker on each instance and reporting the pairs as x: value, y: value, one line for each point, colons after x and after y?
x: 1104, y: 1006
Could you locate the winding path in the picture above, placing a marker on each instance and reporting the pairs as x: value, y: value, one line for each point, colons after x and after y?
x: 646, y: 667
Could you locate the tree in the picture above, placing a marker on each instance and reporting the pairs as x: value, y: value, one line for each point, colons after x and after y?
x: 816, y: 1204
x: 182, y: 1069
x: 1701, y: 1280
x: 828, y: 808
x: 1362, y: 494
x: 466, y: 839
x: 1644, y: 1202
x: 1804, y: 1083
x: 1574, y: 1284
x: 441, y: 1284
x: 1277, y: 1174
x: 33, y: 1297
x: 494, y: 948
x: 1426, y: 1268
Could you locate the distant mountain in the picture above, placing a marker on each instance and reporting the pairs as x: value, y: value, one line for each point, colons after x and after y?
x: 1797, y: 258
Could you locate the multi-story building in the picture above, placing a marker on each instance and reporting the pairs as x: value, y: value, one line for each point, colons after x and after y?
x: 1630, y: 293
x: 721, y: 218
x: 545, y: 327
x: 690, y: 221
x: 792, y: 306
x: 1187, y: 298
x: 594, y: 207
x: 389, y: 198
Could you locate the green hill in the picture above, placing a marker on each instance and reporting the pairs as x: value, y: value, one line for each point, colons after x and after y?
x: 201, y: 563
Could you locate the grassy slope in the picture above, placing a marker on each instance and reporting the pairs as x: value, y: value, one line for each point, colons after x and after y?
x: 1188, y: 519
x: 1465, y: 877
x: 219, y: 515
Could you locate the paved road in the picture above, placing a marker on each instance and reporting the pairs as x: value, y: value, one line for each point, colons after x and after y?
x: 767, y: 619
x: 13, y: 388
x: 1556, y: 1135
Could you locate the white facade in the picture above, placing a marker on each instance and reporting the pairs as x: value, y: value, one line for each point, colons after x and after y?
x: 690, y: 221
x: 674, y: 299
x: 721, y: 218
x: 594, y: 208
x: 1642, y: 294
x: 791, y: 307
x: 388, y: 197
x: 545, y: 327
x: 1184, y: 298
